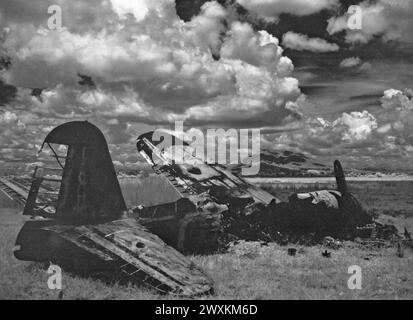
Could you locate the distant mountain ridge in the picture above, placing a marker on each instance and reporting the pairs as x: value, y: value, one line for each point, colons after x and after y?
x: 287, y: 164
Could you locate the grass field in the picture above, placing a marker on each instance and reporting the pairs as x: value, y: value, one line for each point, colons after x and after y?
x: 249, y: 271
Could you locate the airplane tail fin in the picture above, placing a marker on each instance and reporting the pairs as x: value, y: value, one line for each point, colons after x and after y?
x: 340, y: 178
x: 89, y: 188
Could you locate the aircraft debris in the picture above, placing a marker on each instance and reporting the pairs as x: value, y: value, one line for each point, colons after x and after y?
x: 292, y: 252
x: 87, y: 232
x: 242, y: 211
x: 209, y: 194
x: 332, y: 243
x: 326, y: 254
x: 13, y: 191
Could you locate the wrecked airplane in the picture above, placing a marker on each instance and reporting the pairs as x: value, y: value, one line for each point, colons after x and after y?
x: 84, y: 228
x: 209, y: 193
x: 220, y: 206
x: 79, y: 220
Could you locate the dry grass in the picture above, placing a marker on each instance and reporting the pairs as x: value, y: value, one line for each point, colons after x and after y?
x: 273, y: 274
x: 6, y: 202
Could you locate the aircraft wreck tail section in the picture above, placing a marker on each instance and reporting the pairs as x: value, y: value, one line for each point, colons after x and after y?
x: 90, y: 190
x: 349, y: 203
x: 340, y: 178
x: 325, y: 212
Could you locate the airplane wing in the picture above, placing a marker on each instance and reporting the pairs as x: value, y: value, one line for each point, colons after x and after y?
x: 121, y: 249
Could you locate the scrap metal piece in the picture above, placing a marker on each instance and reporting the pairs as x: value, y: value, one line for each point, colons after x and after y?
x: 13, y: 191
x: 326, y: 254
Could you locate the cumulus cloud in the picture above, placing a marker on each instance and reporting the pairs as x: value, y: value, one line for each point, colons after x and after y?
x: 10, y: 121
x: 397, y: 117
x: 388, y: 19
x: 350, y: 134
x: 206, y: 30
x: 349, y: 129
x: 350, y: 62
x: 147, y: 66
x: 302, y: 42
x: 397, y: 100
x: 356, y: 126
x: 355, y: 64
x: 271, y: 9
x: 154, y: 65
x: 365, y: 137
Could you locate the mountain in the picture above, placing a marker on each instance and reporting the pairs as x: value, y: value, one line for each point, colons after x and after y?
x: 287, y: 164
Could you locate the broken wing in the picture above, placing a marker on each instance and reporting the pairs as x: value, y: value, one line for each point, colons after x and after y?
x: 123, y: 248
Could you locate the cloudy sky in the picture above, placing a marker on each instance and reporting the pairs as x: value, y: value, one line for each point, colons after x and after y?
x: 290, y: 67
